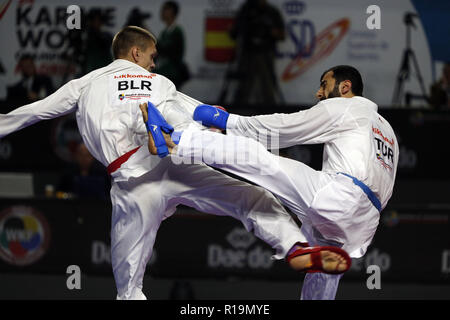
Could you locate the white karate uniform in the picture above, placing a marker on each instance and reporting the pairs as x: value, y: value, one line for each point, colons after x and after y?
x: 332, y: 208
x: 147, y: 189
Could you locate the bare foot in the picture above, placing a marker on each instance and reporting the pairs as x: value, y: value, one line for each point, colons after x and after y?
x: 331, y: 262
x: 151, y: 142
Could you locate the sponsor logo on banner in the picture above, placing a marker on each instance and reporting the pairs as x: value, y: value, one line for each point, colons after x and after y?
x: 240, y: 255
x: 240, y: 238
x: 101, y: 254
x: 319, y: 48
x: 219, y: 46
x: 24, y: 235
x: 41, y: 31
x: 374, y: 257
x: 308, y: 48
x: 294, y: 7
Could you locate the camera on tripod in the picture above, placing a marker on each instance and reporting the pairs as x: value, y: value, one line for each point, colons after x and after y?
x: 404, y: 72
x: 408, y: 19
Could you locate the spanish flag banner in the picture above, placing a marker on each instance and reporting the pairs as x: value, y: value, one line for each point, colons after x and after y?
x: 219, y: 46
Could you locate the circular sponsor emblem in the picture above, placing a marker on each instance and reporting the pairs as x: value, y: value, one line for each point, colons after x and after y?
x: 24, y: 235
x: 121, y: 96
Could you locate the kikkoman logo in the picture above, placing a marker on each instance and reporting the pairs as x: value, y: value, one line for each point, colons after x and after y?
x: 239, y: 238
x: 24, y: 235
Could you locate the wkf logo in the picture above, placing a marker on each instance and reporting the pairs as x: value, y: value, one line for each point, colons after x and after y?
x: 24, y: 235
x: 121, y: 96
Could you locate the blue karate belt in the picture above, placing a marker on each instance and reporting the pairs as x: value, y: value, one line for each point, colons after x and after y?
x: 372, y: 197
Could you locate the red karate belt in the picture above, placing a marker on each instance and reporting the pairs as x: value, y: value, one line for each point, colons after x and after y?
x: 113, y: 166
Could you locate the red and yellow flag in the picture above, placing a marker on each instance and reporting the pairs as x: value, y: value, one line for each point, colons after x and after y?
x: 219, y: 46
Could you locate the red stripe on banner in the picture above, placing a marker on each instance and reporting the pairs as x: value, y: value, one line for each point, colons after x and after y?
x: 219, y: 55
x: 219, y: 24
x: 5, y: 9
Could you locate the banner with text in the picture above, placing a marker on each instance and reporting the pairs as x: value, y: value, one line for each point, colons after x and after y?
x: 47, y: 236
x: 319, y: 34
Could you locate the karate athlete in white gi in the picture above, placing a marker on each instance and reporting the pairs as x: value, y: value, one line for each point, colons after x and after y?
x: 147, y: 189
x: 339, y: 205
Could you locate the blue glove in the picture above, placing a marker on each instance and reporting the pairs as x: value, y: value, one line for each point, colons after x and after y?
x: 211, y: 116
x: 155, y: 125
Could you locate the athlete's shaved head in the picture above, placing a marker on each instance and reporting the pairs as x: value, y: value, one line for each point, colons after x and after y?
x: 129, y: 37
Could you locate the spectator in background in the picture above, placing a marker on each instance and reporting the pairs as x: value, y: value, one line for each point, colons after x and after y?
x: 87, y: 178
x: 97, y: 44
x: 257, y: 29
x: 171, y: 46
x: 31, y: 87
x: 440, y: 90
x: 137, y: 18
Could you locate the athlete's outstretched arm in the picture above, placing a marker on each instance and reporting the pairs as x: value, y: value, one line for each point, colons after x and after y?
x: 61, y: 102
x: 316, y: 125
x: 311, y: 126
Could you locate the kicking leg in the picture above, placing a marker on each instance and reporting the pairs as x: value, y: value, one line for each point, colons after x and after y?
x: 291, y: 181
x: 265, y: 171
x: 211, y: 191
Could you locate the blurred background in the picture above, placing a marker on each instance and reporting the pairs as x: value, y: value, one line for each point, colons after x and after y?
x: 253, y: 57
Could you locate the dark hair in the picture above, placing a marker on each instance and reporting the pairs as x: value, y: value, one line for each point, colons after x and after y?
x: 172, y: 5
x: 128, y: 37
x: 343, y: 72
